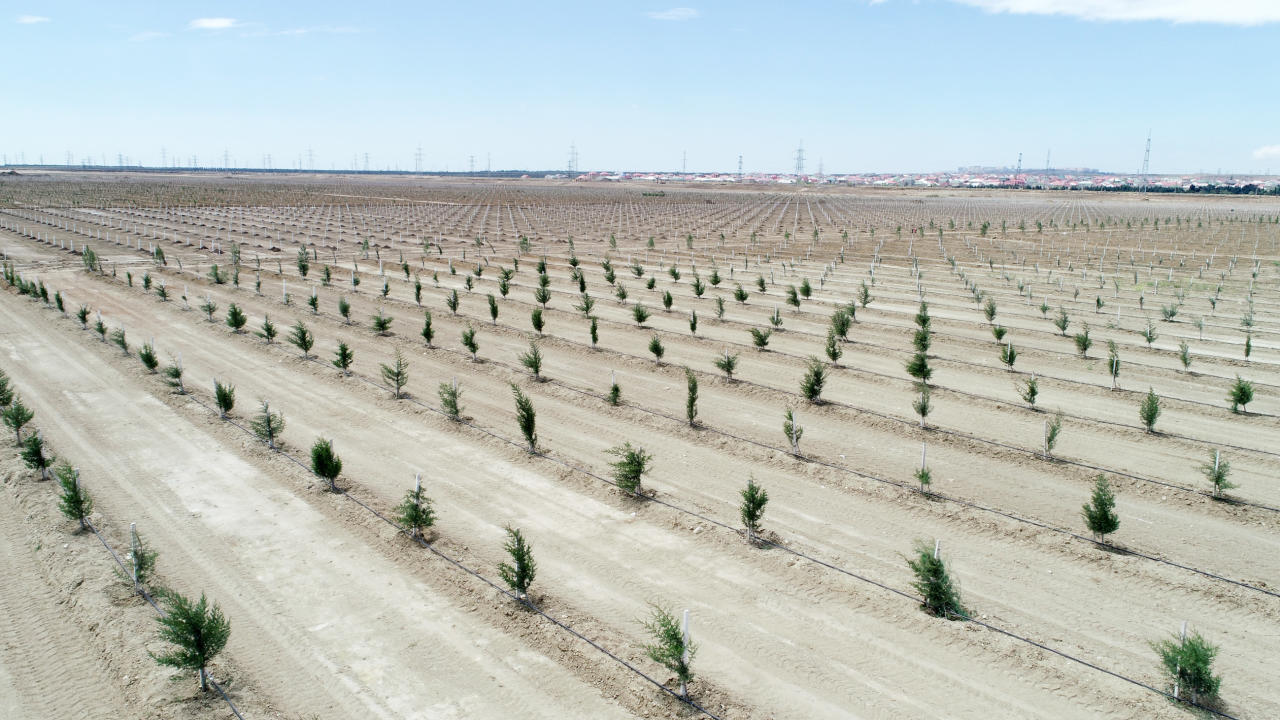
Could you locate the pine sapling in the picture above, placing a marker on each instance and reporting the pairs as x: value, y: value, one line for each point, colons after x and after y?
x: 632, y: 464
x: 918, y: 368
x: 173, y: 376
x: 536, y: 320
x: 396, y: 375
x: 519, y: 573
x: 640, y: 313
x: 691, y: 398
x: 1113, y: 364
x: 343, y: 357
x: 532, y: 360
x: 1100, y: 512
x: 1029, y: 391
x: 147, y: 354
x: 526, y: 418
x: 197, y: 629
x: 727, y: 364
x: 118, y: 339
x: 754, y: 500
x: 415, y: 512
x: 656, y: 347
x: 236, y: 318
x: 1008, y: 355
x: 815, y: 378
x: 1083, y: 341
x: 268, y: 331
x: 224, y: 396
x: 671, y: 647
x: 428, y: 332
x: 33, y: 454
x: 615, y: 391
x: 73, y: 500
x: 834, y: 351
x: 793, y: 431
x: 1052, y: 428
x: 325, y: 463
x: 1149, y: 410
x: 267, y: 425
x: 922, y: 405
x: 344, y: 309
x: 209, y: 307
x: 469, y: 342
x: 450, y: 397
x: 381, y: 323
x: 1216, y: 472
x: 760, y: 338
x: 1240, y: 395
x: 302, y: 338
x: 1188, y: 663
x: 939, y: 595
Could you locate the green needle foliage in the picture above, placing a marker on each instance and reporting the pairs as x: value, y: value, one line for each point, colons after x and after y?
x: 1083, y: 341
x: 620, y: 292
x: 236, y: 318
x: 989, y: 310
x: 304, y: 262
x: 526, y: 418
x: 639, y: 313
x: 343, y: 357
x: 83, y: 316
x: 1149, y: 333
x: 396, y: 375
x: 1188, y: 662
x: 727, y: 364
x: 940, y: 595
x: 586, y: 305
x: 1053, y: 428
x: 740, y: 295
x: 760, y: 337
x: 344, y: 309
x: 1149, y: 409
x: 760, y: 283
x: 469, y: 342
x: 493, y: 308
x: 632, y: 463
x: 719, y: 308
x: 793, y: 431
x: 595, y: 332
x: 1240, y: 394
x: 754, y: 500
x: 209, y: 307
x: 793, y: 298
x: 532, y: 360
x: 519, y: 573
x: 1100, y: 512
x: 142, y: 561
x: 428, y: 332
x: 100, y: 328
x: 776, y: 318
x: 325, y: 463
x: 656, y: 347
x: 918, y: 367
x: 224, y: 396
x: 1029, y: 391
x: 173, y: 376
x: 922, y: 405
x: 1062, y: 321
x: 615, y: 393
x: 302, y: 338
x: 1113, y: 364
x: 269, y: 331
x: 841, y: 323
x: 535, y: 319
x: 815, y: 377
x: 864, y: 294
x: 6, y: 390
x: 451, y: 301
x: 834, y: 351
x: 542, y: 295
x: 34, y: 456
x: 267, y: 425
x: 1008, y: 355
x: 1216, y: 472
x: 691, y: 398
x: 381, y: 323
x: 922, y: 339
x: 667, y: 299
x: 998, y: 332
x: 669, y: 648
x: 147, y: 354
x: 450, y: 397
x: 118, y: 338
x: 693, y: 322
x: 198, y: 631
x: 415, y: 512
x: 73, y: 500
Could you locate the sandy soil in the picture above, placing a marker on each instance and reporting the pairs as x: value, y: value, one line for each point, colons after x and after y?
x: 779, y: 636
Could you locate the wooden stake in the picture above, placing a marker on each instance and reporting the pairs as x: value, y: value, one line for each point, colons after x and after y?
x: 684, y: 657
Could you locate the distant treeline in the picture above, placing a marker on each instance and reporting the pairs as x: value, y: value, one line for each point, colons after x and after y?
x: 1249, y: 189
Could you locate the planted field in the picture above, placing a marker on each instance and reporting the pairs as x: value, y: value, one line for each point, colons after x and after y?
x: 825, y: 347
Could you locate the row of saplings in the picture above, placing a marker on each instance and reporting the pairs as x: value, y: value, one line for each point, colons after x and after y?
x: 671, y: 648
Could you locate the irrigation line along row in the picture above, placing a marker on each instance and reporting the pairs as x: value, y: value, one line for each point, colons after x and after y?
x: 570, y: 466
x: 974, y: 438
x: 704, y: 518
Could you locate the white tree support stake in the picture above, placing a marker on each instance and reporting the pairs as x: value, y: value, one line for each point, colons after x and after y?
x: 937, y: 545
x: 1178, y: 668
x: 133, y: 553
x: 684, y: 657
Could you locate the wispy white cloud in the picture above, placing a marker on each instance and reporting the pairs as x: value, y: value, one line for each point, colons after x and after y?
x: 1224, y: 12
x: 675, y: 14
x: 147, y: 35
x: 212, y: 24
x: 32, y: 19
x: 1267, y: 152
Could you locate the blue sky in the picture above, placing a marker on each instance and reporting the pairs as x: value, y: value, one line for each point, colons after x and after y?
x: 867, y: 86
